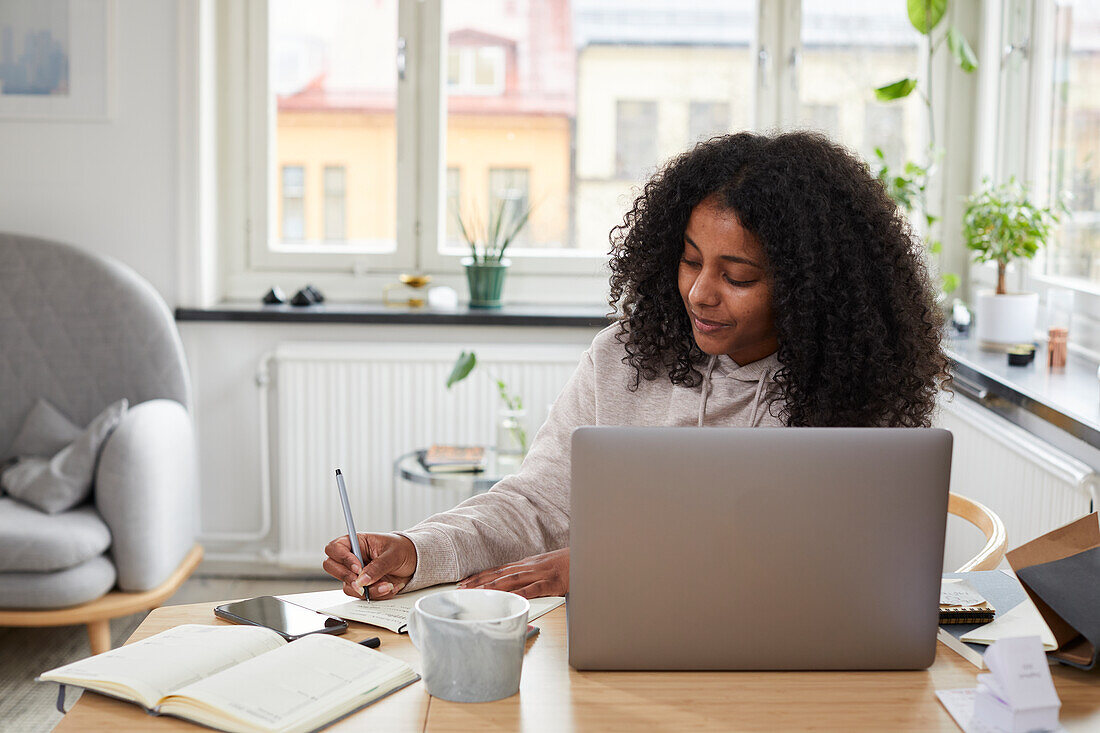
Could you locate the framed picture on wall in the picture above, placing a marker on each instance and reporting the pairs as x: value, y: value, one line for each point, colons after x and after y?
x: 57, y: 59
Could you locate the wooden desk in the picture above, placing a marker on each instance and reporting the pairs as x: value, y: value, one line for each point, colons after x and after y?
x: 554, y: 697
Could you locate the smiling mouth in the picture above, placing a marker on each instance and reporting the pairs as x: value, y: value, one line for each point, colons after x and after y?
x: 705, y: 326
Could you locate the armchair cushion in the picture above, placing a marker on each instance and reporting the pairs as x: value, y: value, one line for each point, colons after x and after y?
x: 31, y: 541
x: 78, y: 584
x: 65, y: 480
x: 44, y: 432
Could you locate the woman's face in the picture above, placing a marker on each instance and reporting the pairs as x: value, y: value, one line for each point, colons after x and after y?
x: 724, y: 286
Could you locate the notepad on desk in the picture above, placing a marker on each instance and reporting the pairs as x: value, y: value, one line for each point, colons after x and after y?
x: 393, y: 613
x: 241, y: 678
x: 1016, y: 616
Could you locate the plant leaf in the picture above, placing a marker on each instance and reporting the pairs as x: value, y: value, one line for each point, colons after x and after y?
x: 961, y: 50
x: 925, y: 14
x: 896, y: 90
x: 949, y: 282
x: 464, y: 364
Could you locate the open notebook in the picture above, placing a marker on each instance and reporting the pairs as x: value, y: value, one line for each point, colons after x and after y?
x: 392, y: 614
x: 241, y: 678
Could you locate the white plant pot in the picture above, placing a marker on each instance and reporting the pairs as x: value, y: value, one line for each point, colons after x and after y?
x: 1003, y: 320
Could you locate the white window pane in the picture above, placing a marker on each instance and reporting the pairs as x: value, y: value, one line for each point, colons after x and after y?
x: 1075, y: 141
x: 588, y: 97
x: 334, y: 77
x: 848, y: 49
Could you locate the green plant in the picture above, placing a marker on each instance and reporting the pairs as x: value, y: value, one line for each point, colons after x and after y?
x: 1002, y: 224
x: 488, y: 240
x: 465, y: 364
x: 909, y: 187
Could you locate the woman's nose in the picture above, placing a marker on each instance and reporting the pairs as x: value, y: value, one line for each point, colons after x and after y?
x: 703, y: 290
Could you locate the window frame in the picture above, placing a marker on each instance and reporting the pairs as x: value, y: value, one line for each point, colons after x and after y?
x: 1030, y: 26
x: 246, y: 267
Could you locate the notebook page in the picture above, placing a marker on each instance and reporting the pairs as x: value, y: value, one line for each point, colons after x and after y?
x: 296, y: 687
x: 393, y: 614
x: 164, y: 662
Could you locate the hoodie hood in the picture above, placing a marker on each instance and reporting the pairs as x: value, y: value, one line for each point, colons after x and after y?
x: 758, y: 373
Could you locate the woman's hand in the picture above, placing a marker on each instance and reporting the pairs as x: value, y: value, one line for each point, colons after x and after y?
x: 533, y: 577
x: 390, y: 558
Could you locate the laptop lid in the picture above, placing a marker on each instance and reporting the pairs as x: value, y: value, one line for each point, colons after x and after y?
x: 756, y: 548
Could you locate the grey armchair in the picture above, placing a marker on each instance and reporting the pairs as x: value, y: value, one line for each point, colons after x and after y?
x: 83, y: 331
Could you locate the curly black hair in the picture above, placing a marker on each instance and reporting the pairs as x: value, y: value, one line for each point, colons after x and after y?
x: 855, y: 314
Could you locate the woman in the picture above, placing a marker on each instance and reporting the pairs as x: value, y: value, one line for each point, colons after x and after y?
x: 760, y: 280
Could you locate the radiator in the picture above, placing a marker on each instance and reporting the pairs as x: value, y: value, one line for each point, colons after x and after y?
x: 1031, y: 485
x: 360, y: 406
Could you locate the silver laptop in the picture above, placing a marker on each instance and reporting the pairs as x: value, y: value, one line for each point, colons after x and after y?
x: 756, y: 548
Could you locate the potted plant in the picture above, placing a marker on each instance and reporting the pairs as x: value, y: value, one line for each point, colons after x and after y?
x: 1002, y: 224
x: 511, y: 437
x: 486, y: 266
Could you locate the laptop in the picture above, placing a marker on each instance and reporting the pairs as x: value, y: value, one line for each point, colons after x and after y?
x: 756, y: 548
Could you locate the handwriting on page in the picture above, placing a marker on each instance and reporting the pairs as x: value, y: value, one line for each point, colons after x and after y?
x: 957, y: 592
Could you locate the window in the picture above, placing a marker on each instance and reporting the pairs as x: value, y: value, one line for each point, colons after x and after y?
x: 396, y: 112
x: 294, y: 202
x: 635, y: 142
x: 848, y: 49
x: 1074, y: 159
x: 332, y: 90
x: 335, y: 202
x: 475, y: 69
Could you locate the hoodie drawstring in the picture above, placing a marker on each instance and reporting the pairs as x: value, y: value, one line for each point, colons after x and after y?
x: 704, y: 392
x: 756, y: 398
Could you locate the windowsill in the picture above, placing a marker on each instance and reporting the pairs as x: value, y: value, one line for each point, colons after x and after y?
x: 1061, y: 406
x: 512, y: 314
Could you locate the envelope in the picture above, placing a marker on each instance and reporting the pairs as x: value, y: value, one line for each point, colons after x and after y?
x: 1060, y: 572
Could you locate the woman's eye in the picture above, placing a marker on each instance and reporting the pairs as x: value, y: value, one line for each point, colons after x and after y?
x: 689, y: 263
x: 739, y: 283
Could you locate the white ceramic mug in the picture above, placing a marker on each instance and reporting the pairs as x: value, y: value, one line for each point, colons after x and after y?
x: 471, y: 643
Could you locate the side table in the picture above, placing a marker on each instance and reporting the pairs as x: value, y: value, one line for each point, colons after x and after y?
x: 418, y: 494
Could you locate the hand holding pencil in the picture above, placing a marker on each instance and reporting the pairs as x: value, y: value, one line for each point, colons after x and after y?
x: 376, y: 566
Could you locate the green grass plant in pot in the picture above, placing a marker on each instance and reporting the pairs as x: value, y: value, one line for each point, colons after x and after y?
x: 487, y: 266
x: 1003, y: 224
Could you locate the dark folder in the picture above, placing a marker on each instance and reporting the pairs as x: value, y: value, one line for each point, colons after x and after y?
x: 1061, y: 573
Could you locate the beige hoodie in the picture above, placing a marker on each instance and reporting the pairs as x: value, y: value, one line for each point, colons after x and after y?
x: 528, y: 513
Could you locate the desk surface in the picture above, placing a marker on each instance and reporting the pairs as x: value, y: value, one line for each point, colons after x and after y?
x: 554, y: 697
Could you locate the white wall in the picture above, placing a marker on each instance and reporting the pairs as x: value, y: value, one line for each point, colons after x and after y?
x: 224, y: 362
x: 113, y: 188
x: 110, y: 186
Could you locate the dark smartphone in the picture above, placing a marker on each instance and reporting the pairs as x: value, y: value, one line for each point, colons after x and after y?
x: 287, y: 619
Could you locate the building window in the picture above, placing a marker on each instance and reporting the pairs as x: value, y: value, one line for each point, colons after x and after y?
x: 294, y: 203
x: 635, y: 139
x: 509, y: 194
x: 335, y: 202
x: 475, y: 69
x: 707, y: 119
